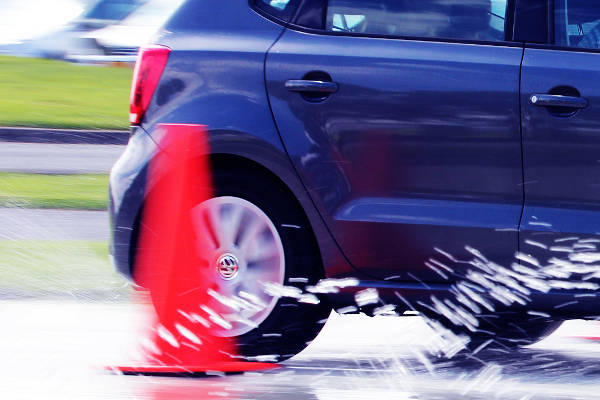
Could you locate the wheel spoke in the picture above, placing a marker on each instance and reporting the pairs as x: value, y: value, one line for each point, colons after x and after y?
x: 227, y: 289
x: 261, y: 299
x: 262, y: 251
x: 230, y: 225
x: 255, y: 226
x: 206, y: 240
x: 255, y: 278
x: 213, y: 216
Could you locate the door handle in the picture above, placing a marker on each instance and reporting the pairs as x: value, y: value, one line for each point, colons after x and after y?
x: 309, y: 86
x: 555, y: 100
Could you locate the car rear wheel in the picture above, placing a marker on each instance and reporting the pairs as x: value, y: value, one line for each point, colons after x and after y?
x: 261, y: 244
x: 501, y: 332
x: 511, y: 333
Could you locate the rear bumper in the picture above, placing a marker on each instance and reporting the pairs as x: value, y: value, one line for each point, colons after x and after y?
x: 127, y: 187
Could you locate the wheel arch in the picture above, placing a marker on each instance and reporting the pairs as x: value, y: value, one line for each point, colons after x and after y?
x: 242, y: 151
x: 286, y: 180
x: 265, y: 153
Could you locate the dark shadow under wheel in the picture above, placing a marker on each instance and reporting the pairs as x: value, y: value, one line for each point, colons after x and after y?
x: 502, y: 332
x: 513, y: 332
x: 255, y: 223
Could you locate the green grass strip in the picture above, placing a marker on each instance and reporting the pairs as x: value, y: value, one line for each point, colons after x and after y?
x: 85, y: 191
x: 57, y: 94
x: 38, y: 267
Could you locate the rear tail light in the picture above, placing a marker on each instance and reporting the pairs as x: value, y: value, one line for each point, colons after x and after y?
x: 149, y: 67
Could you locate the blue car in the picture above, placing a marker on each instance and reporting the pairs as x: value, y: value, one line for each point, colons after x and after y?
x: 439, y: 157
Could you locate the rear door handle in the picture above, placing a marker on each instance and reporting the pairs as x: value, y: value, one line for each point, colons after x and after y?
x: 554, y: 100
x: 308, y: 86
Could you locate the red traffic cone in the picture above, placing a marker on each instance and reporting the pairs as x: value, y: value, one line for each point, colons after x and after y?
x: 169, y: 264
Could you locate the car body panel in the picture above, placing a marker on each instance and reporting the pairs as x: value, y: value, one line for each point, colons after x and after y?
x: 130, y: 183
x: 127, y: 188
x: 419, y: 149
x: 561, y: 156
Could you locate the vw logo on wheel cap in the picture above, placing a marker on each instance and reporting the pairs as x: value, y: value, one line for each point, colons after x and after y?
x: 228, y: 266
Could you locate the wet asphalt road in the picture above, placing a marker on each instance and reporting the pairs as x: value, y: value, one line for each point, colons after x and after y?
x: 58, y: 158
x: 57, y: 351
x: 28, y: 224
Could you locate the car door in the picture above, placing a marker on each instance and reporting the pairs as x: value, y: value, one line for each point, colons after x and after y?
x: 561, y: 138
x: 402, y: 119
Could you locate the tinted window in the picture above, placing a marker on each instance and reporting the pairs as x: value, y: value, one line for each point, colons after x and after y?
x: 577, y: 23
x: 312, y: 14
x: 452, y: 19
x: 281, y: 9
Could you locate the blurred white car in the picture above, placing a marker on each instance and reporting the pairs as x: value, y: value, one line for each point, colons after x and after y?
x: 126, y: 36
x: 67, y: 37
x: 110, y: 30
x: 22, y: 20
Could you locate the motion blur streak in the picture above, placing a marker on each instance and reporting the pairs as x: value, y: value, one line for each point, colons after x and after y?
x: 26, y: 19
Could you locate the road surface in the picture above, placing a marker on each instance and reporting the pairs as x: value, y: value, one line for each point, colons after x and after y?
x: 34, y: 224
x: 57, y: 350
x: 58, y: 158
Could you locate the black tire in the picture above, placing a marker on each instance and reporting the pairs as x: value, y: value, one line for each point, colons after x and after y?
x: 511, y: 333
x: 502, y: 332
x: 291, y: 325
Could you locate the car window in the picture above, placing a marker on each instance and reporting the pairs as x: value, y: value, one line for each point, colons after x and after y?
x: 577, y: 23
x: 280, y: 9
x: 277, y: 4
x: 452, y: 19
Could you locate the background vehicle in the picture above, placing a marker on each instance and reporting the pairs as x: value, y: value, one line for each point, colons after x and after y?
x: 443, y: 152
x: 124, y: 37
x: 67, y: 39
x: 22, y: 20
x: 110, y: 30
